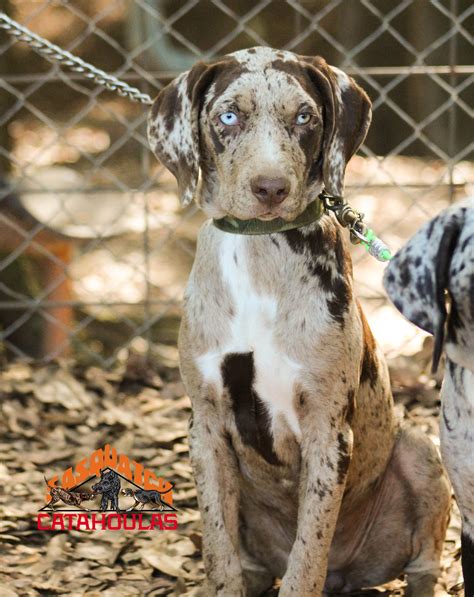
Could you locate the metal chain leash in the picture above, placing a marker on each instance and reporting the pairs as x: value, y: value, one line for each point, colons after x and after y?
x: 55, y: 54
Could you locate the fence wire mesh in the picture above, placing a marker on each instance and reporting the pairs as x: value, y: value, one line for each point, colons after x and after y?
x: 94, y: 249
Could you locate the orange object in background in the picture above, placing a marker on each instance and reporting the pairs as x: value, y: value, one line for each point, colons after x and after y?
x: 51, y: 253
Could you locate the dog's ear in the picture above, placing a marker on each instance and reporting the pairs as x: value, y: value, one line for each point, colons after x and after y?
x: 419, y: 274
x: 173, y: 125
x: 347, y: 116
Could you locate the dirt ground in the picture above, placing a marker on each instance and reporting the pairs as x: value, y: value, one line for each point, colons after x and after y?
x: 54, y: 416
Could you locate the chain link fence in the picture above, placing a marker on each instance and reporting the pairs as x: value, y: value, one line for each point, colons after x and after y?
x: 94, y: 249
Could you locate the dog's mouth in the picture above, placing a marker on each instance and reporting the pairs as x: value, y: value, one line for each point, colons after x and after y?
x: 283, y: 212
x: 288, y: 210
x: 268, y: 216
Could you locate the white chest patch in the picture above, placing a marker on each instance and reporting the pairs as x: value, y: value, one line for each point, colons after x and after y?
x: 253, y: 330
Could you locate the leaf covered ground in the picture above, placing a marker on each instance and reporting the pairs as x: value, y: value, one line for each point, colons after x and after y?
x: 55, y: 415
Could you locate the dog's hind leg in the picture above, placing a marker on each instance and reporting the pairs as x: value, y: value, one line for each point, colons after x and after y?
x: 421, y: 585
x: 157, y: 503
x: 420, y: 465
x: 407, y: 531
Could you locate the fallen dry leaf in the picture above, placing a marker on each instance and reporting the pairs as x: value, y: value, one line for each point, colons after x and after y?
x: 170, y: 565
x: 60, y: 387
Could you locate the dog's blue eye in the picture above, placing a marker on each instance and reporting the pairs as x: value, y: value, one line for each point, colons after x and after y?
x: 229, y: 118
x: 303, y: 118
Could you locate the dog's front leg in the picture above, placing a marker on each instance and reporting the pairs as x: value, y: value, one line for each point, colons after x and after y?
x: 326, y: 449
x: 218, y: 495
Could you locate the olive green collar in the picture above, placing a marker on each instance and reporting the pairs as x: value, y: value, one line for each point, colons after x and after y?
x: 312, y: 213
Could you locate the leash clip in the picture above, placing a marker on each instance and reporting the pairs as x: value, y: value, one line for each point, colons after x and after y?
x: 347, y: 216
x: 350, y: 218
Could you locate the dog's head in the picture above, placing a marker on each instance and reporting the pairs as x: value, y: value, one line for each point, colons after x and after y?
x: 54, y: 491
x: 127, y: 491
x: 266, y: 129
x: 109, y: 481
x: 439, y: 258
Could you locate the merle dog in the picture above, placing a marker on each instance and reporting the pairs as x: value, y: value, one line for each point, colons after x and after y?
x: 302, y: 470
x: 438, y: 259
x: 109, y: 487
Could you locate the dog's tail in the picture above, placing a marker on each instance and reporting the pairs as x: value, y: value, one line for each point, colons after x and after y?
x: 163, y: 491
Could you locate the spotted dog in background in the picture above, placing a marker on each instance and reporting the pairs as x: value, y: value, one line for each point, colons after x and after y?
x: 302, y: 471
x: 439, y: 258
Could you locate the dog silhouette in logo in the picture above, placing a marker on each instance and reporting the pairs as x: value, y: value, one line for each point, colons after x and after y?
x: 109, y: 487
x: 70, y: 498
x: 144, y: 496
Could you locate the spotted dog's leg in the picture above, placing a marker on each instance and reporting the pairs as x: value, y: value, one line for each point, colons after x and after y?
x: 457, y: 448
x: 159, y: 502
x: 216, y: 475
x: 322, y: 481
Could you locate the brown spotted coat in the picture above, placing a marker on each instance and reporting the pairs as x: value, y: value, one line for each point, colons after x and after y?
x: 302, y: 471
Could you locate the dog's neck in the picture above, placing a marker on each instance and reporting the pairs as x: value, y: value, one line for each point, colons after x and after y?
x: 258, y: 227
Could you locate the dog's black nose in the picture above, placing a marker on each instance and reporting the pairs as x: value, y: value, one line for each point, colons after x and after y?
x: 271, y: 191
